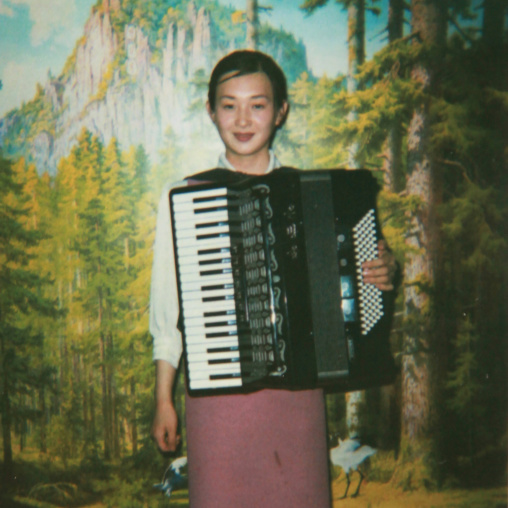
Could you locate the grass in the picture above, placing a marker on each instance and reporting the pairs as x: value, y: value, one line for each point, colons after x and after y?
x: 129, y: 484
x: 384, y: 495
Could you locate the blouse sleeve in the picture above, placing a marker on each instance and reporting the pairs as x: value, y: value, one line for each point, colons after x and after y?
x: 164, y: 308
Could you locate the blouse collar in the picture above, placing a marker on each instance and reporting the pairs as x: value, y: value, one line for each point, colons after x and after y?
x: 272, y: 164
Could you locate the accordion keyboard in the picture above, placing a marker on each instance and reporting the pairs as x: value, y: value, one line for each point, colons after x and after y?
x: 203, y: 243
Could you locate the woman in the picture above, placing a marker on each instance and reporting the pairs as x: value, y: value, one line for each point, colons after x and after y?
x: 266, y: 448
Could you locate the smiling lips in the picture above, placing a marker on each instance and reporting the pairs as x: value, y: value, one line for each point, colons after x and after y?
x: 244, y: 136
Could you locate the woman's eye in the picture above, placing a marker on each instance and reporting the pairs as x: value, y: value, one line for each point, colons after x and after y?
x: 227, y: 106
x: 259, y: 106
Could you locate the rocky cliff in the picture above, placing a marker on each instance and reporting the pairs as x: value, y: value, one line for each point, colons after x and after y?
x: 124, y: 81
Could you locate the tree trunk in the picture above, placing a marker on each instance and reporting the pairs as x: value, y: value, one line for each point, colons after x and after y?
x: 113, y: 413
x: 134, y: 423
x: 494, y: 12
x: 392, y: 165
x: 420, y: 368
x: 495, y: 47
x: 6, y: 420
x: 43, y: 445
x: 105, y: 405
x: 252, y: 24
x: 355, y: 401
x: 91, y: 398
x: 356, y: 57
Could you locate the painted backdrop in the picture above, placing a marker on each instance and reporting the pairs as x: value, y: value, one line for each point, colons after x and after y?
x: 103, y: 101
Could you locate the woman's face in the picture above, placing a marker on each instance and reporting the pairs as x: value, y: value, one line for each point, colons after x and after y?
x: 246, y: 117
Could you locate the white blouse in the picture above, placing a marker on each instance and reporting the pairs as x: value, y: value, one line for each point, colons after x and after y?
x: 164, y: 309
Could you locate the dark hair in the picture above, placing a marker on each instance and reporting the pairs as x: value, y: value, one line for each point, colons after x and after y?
x: 244, y: 62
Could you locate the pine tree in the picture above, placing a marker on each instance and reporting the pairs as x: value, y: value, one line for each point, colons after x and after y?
x: 19, y: 296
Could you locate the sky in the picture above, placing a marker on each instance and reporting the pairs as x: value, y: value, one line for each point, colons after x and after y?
x: 37, y: 36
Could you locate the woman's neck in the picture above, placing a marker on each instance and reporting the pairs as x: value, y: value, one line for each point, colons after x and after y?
x: 254, y: 165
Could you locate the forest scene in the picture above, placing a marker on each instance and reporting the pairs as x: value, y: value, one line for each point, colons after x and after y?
x: 82, y: 166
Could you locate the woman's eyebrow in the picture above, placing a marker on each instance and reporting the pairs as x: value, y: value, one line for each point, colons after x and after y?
x: 252, y: 97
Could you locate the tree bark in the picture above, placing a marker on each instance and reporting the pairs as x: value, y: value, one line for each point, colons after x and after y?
x: 43, y: 445
x: 6, y: 419
x: 494, y: 12
x: 133, y: 419
x: 420, y: 362
x: 392, y: 165
x: 105, y: 405
x: 355, y: 401
x: 356, y: 57
x: 252, y: 24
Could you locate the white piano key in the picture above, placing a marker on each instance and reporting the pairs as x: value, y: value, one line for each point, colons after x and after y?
x: 205, y: 243
x: 195, y: 232
x: 215, y: 383
x: 193, y: 296
x: 202, y: 205
x: 202, y: 370
x: 196, y: 258
x: 208, y: 280
x: 186, y: 220
x: 193, y: 307
x: 192, y: 268
x: 206, y: 356
x: 195, y: 347
x: 205, y: 193
x: 197, y: 283
x: 201, y: 340
x: 201, y: 320
x: 202, y: 330
x: 192, y: 251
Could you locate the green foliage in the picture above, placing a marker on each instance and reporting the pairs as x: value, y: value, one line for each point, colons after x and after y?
x: 464, y: 381
x: 58, y: 493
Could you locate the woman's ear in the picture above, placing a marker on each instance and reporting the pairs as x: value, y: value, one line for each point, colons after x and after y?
x: 282, y: 114
x: 211, y: 113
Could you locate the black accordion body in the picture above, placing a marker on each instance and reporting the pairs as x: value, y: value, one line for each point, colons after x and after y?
x: 269, y: 281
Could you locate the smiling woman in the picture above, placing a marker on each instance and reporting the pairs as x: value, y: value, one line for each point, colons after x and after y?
x: 246, y: 117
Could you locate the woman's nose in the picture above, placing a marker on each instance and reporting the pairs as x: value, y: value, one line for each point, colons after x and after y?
x: 243, y: 117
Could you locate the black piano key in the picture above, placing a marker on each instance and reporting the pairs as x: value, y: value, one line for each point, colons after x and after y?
x: 217, y: 335
x: 215, y: 272
x: 216, y: 298
x: 216, y: 286
x: 212, y: 235
x: 219, y: 361
x: 225, y: 376
x: 205, y: 225
x: 222, y: 349
x: 211, y: 209
x: 214, y: 261
x: 220, y: 323
x: 219, y: 313
x: 223, y: 250
x: 204, y: 199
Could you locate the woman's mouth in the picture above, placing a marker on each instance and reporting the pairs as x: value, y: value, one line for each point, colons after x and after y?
x: 244, y: 136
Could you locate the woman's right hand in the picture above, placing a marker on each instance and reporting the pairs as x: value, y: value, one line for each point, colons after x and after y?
x: 165, y: 422
x: 165, y: 428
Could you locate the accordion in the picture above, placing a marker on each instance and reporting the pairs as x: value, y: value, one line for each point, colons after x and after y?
x: 270, y: 285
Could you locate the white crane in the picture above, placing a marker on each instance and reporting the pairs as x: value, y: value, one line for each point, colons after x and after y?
x: 349, y: 454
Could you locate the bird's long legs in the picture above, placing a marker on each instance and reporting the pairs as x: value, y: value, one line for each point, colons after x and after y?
x: 357, y: 491
x: 348, y: 480
x: 347, y: 486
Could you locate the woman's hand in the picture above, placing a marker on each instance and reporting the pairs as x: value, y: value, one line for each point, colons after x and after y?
x: 164, y: 428
x: 165, y: 422
x: 381, y: 271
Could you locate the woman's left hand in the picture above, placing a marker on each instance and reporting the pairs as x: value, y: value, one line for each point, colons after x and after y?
x: 381, y: 271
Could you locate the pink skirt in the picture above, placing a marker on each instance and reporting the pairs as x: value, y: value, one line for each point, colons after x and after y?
x: 262, y: 450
